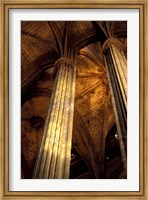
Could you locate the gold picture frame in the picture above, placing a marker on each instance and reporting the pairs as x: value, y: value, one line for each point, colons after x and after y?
x: 5, y: 5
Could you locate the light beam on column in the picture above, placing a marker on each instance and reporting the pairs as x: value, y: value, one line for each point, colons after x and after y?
x: 54, y: 156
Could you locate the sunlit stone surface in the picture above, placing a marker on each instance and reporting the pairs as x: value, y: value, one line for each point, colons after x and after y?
x: 55, y: 152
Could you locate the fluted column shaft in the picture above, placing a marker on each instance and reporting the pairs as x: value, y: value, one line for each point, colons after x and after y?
x: 55, y: 151
x: 116, y: 66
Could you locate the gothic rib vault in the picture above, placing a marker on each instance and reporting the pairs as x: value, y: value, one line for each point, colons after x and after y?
x: 95, y: 143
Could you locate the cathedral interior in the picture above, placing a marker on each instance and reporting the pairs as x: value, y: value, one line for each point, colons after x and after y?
x: 96, y: 118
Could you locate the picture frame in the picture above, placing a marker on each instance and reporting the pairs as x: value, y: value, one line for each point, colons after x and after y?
x: 4, y: 105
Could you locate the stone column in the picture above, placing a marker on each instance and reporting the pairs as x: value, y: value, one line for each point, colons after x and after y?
x: 53, y: 161
x: 116, y: 66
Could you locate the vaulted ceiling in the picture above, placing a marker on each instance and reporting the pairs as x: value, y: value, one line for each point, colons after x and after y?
x: 94, y: 130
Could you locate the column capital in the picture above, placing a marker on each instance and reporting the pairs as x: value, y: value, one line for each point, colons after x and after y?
x: 112, y: 41
x: 64, y: 60
x: 60, y: 61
